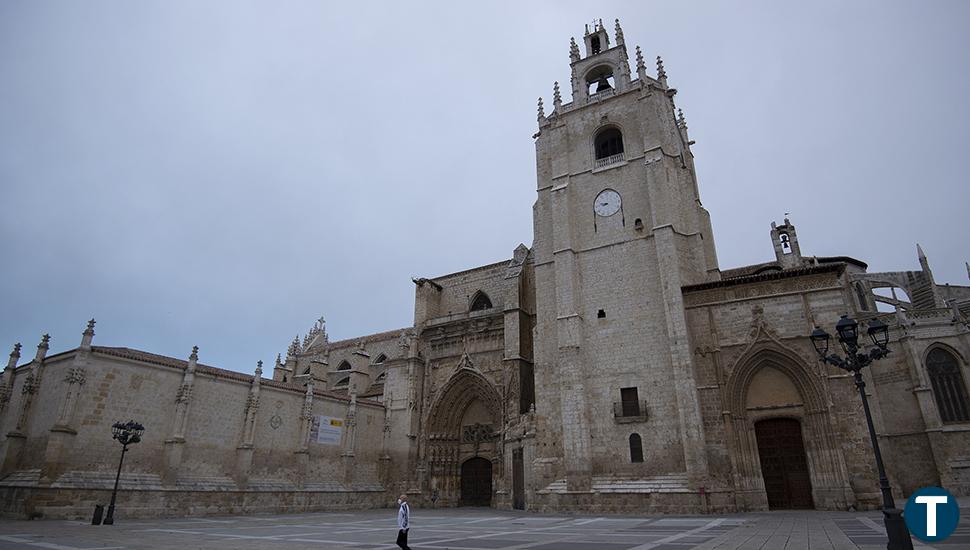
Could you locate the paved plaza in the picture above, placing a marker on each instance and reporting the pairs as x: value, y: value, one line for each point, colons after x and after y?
x: 470, y: 529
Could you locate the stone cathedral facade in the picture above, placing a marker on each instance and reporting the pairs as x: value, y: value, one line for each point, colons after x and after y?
x: 613, y: 366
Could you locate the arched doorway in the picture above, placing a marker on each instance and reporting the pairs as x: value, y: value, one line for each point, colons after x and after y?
x: 784, y: 465
x: 476, y: 482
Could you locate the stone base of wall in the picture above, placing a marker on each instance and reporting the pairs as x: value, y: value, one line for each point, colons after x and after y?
x: 634, y: 503
x: 78, y: 504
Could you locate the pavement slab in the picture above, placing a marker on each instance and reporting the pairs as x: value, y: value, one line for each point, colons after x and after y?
x: 470, y: 529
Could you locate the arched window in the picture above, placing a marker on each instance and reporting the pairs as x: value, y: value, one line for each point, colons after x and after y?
x: 636, y: 448
x: 948, y: 386
x: 608, y: 143
x: 480, y: 302
x: 343, y: 366
x: 380, y: 359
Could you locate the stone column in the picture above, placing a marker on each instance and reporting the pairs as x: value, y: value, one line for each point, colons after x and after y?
x: 175, y: 444
x: 6, y: 383
x: 306, y: 421
x: 684, y: 385
x: 350, y: 440
x: 244, y: 453
x: 62, y: 434
x: 18, y: 436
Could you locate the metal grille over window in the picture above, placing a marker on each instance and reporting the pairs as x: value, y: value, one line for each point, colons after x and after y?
x: 948, y: 386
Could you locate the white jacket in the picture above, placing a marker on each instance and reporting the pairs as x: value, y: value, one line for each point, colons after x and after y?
x: 403, y: 516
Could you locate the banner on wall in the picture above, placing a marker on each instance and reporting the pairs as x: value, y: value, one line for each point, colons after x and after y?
x: 326, y: 430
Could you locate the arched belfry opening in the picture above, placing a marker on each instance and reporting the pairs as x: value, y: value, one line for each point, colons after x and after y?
x: 463, y: 446
x: 600, y: 79
x: 608, y: 143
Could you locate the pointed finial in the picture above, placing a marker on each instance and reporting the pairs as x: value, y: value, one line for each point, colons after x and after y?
x: 259, y: 369
x: 919, y: 252
x: 619, y: 33
x: 556, y: 97
x: 574, y: 48
x: 42, y: 347
x: 195, y: 353
x: 90, y: 326
x: 14, y: 356
x: 661, y: 73
x: 45, y: 340
x: 681, y: 121
x: 278, y: 360
x: 542, y: 113
x: 640, y: 64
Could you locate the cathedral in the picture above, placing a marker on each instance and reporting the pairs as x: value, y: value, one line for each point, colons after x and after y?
x: 613, y: 366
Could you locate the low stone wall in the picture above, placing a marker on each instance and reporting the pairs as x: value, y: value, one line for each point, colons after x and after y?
x: 78, y: 504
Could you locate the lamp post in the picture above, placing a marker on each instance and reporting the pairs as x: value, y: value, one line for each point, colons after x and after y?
x: 127, y: 433
x: 854, y: 361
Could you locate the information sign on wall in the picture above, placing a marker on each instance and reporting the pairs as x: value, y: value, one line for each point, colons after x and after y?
x: 326, y: 430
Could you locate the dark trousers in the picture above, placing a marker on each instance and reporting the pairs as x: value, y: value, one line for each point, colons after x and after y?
x: 402, y: 539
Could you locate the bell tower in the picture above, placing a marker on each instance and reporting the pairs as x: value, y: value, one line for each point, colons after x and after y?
x: 619, y: 229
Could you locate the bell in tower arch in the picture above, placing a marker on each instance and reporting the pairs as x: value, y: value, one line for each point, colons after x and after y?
x: 603, y: 84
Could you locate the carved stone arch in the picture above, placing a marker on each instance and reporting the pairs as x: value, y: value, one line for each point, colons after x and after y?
x: 457, y: 394
x: 823, y: 451
x: 480, y: 301
x: 945, y: 347
x: 782, y: 359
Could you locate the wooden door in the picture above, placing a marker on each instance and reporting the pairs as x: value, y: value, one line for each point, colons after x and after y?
x: 476, y: 482
x: 784, y: 465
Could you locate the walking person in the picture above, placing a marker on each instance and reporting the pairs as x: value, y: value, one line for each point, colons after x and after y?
x: 403, y: 522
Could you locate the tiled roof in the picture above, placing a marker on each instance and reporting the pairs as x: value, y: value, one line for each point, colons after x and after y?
x: 768, y: 276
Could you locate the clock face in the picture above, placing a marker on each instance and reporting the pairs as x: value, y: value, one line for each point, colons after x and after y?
x: 607, y: 203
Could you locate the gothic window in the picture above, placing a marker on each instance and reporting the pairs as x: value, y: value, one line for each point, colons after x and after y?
x: 595, y: 45
x: 609, y: 142
x: 481, y: 301
x: 380, y: 359
x: 948, y: 386
x: 636, y: 448
x: 600, y: 79
x: 344, y: 366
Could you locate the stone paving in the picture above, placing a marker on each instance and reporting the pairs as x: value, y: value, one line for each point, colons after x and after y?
x: 470, y: 529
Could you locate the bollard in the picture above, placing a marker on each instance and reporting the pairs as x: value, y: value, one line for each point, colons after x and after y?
x: 98, y: 514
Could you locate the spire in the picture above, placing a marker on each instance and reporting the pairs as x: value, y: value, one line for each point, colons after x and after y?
x: 574, y: 48
x: 542, y: 114
x: 42, y: 348
x: 661, y: 73
x: 15, y: 355
x: 641, y: 66
x: 923, y: 262
x: 87, y: 335
x: 619, y: 33
x: 556, y: 97
x: 193, y: 360
x: 279, y: 363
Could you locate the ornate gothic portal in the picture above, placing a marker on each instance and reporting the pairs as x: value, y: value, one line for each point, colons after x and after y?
x: 464, y: 447
x: 785, y: 451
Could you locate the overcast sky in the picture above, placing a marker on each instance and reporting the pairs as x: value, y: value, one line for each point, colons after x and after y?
x: 221, y: 174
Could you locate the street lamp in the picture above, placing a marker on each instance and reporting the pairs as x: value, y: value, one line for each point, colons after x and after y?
x: 854, y: 361
x: 127, y: 433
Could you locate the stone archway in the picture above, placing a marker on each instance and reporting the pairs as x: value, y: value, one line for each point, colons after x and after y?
x: 464, y: 428
x: 771, y: 382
